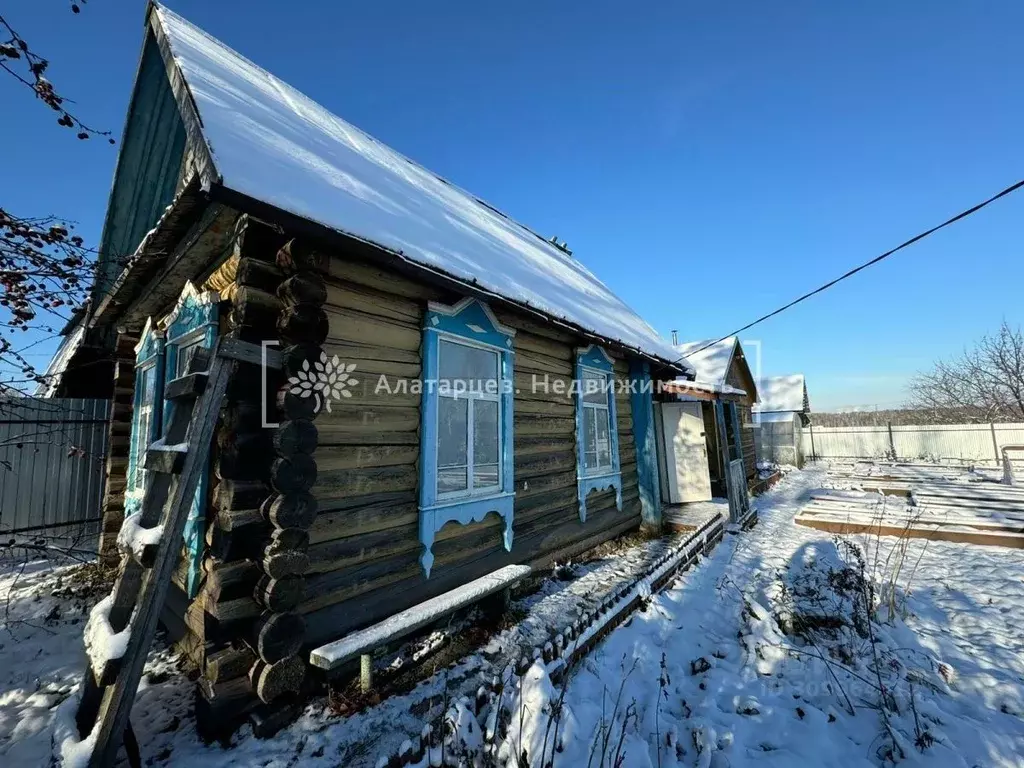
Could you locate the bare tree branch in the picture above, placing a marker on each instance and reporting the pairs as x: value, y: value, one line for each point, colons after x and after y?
x: 985, y: 383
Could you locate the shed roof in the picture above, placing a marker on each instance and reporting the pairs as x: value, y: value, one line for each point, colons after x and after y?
x: 782, y: 393
x: 711, y: 358
x: 269, y: 142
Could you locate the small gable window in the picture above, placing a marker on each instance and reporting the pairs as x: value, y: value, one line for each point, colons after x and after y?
x: 466, y: 412
x: 149, y: 365
x: 597, y: 464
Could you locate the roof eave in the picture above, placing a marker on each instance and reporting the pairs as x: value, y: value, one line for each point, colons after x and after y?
x: 302, y: 226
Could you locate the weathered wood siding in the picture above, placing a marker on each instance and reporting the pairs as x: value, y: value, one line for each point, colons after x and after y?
x: 149, y: 167
x: 739, y: 376
x: 364, y: 544
x: 747, y: 441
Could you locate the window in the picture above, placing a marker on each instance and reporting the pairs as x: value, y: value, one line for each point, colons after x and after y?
x: 149, y: 368
x: 596, y: 429
x: 185, y: 350
x: 145, y: 384
x: 466, y: 411
x: 597, y: 451
x: 468, y: 434
x: 192, y: 325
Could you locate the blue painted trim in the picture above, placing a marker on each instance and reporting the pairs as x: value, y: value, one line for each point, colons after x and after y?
x: 642, y: 405
x: 473, y: 321
x: 595, y: 358
x: 464, y: 512
x: 149, y: 355
x: 469, y: 319
x: 194, y: 317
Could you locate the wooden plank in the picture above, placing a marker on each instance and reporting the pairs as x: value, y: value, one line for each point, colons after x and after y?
x: 349, y: 326
x: 340, y: 483
x: 200, y: 423
x: 389, y: 306
x: 363, y: 456
x: 406, y: 622
x: 526, y: 425
x: 401, y: 590
x: 344, y: 272
x: 932, y: 533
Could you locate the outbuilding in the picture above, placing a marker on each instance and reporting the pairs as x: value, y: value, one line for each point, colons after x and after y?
x: 781, y: 412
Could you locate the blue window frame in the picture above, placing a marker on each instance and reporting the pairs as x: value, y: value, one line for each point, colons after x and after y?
x: 597, y: 438
x: 192, y: 325
x: 146, y: 412
x: 466, y: 412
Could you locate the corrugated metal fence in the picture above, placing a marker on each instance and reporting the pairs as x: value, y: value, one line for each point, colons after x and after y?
x: 968, y: 443
x: 52, y: 459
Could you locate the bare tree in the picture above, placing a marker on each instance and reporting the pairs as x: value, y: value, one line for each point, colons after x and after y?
x: 45, y: 269
x: 984, y: 383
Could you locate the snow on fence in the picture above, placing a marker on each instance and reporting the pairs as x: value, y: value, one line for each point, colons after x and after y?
x: 52, y: 464
x: 967, y: 443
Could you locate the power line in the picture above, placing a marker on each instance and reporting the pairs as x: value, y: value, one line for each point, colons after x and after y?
x: 865, y: 265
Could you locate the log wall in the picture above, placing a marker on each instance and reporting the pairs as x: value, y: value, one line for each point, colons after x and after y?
x: 364, y: 548
x: 118, y: 446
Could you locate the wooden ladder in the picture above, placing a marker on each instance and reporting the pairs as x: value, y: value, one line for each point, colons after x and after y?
x: 174, y: 466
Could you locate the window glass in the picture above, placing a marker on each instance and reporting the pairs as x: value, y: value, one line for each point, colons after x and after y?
x: 590, y: 438
x: 604, y: 448
x: 461, y: 362
x: 144, y: 384
x: 143, y: 421
x: 185, y: 354
x: 141, y: 444
x: 452, y: 452
x: 485, y: 443
x: 594, y: 388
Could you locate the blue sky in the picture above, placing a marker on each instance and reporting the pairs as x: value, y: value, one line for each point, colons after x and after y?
x: 708, y: 161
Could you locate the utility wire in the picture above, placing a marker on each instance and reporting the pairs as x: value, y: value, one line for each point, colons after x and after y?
x: 865, y: 265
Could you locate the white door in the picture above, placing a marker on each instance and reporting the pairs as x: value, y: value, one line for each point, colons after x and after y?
x: 686, y: 453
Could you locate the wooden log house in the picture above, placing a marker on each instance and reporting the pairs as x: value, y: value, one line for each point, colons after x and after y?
x: 354, y: 484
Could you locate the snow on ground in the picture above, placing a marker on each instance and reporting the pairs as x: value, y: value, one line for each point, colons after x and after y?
x: 44, y: 607
x: 737, y: 690
x: 740, y: 692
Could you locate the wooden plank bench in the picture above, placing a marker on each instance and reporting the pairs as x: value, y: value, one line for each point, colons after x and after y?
x: 362, y: 643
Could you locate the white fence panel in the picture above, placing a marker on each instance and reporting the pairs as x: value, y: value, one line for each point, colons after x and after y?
x: 967, y: 443
x: 845, y: 442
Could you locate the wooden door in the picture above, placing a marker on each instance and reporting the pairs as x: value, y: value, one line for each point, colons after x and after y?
x: 686, y: 453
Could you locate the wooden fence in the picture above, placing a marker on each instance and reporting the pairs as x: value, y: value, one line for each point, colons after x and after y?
x: 965, y: 443
x: 52, y: 460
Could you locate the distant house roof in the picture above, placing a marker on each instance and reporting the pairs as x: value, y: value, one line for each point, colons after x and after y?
x: 783, y: 393
x: 270, y: 143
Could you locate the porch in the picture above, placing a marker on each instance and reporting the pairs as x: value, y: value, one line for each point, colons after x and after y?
x: 692, y: 515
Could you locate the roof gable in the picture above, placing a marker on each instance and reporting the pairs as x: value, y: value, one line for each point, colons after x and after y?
x: 149, y: 164
x: 269, y: 142
x: 711, y: 358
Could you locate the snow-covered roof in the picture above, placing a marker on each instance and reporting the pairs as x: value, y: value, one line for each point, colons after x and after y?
x: 270, y: 142
x: 781, y: 393
x: 681, y: 386
x: 58, y: 365
x: 711, y: 358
